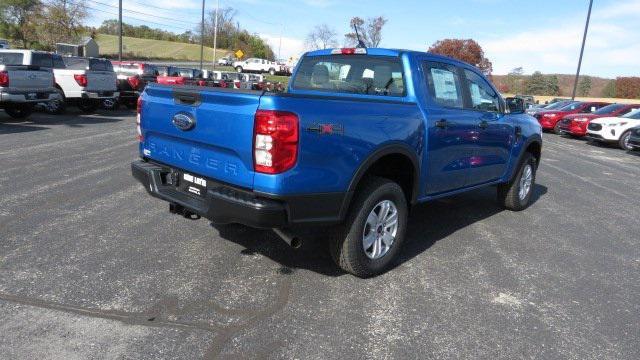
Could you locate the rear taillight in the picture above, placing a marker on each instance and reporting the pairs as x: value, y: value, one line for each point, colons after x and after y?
x: 139, y: 110
x: 237, y: 84
x: 134, y: 82
x: 4, y: 79
x: 275, y: 141
x: 81, y: 79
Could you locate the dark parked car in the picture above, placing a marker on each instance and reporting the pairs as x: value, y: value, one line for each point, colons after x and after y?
x: 132, y: 79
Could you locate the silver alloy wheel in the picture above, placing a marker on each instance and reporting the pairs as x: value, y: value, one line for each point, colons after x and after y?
x: 380, y: 229
x: 626, y: 140
x: 525, y: 182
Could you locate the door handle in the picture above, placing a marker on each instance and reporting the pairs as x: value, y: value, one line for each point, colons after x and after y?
x: 483, y: 124
x: 441, y: 124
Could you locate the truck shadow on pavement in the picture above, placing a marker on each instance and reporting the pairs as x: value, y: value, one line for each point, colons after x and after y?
x: 37, y: 122
x: 428, y: 224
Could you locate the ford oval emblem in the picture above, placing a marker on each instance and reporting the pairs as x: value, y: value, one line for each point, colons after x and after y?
x: 183, y: 121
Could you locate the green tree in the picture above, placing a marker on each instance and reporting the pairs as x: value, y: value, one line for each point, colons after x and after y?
x: 514, y: 81
x: 18, y: 20
x: 539, y: 84
x: 62, y: 21
x: 584, y: 86
x: 609, y: 90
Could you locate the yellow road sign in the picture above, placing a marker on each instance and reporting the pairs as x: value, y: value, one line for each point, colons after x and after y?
x: 239, y: 54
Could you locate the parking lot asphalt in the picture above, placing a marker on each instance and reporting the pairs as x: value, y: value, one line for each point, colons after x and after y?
x: 91, y: 267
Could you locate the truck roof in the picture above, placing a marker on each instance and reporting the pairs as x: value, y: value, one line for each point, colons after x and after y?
x: 391, y: 52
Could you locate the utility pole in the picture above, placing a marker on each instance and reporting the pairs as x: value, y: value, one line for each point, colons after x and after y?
x: 215, y: 33
x: 584, y: 40
x: 120, y: 30
x: 201, y: 37
x: 280, y: 43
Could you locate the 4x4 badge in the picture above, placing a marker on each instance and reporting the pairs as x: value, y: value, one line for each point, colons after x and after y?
x: 326, y: 129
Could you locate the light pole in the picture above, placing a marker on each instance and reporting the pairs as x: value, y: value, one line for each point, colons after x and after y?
x: 201, y: 36
x: 120, y: 30
x: 584, y: 39
x: 215, y: 33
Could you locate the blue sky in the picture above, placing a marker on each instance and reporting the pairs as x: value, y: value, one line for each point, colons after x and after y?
x: 536, y: 35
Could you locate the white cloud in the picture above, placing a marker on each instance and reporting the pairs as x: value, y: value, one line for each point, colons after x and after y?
x: 611, y: 49
x: 291, y: 47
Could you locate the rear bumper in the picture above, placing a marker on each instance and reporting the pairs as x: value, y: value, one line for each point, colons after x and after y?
x: 225, y: 204
x: 28, y: 96
x: 99, y: 94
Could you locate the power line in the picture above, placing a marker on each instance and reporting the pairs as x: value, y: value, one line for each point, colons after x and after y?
x: 147, y: 14
x: 139, y: 19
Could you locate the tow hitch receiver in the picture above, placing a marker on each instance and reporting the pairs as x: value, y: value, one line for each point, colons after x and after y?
x: 180, y: 210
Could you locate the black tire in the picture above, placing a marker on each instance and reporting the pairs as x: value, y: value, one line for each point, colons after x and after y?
x: 509, y: 195
x: 88, y: 106
x: 57, y: 107
x: 19, y: 111
x: 272, y: 72
x: 623, y: 143
x: 346, y: 245
x: 556, y: 129
x: 239, y: 69
x: 110, y: 104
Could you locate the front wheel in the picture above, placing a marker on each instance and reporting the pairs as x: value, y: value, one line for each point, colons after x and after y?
x: 624, y: 141
x: 272, y: 72
x: 21, y: 111
x: 516, y: 194
x: 239, y: 69
x: 370, y: 239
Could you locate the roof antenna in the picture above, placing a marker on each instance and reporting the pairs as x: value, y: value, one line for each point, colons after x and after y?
x: 360, y: 42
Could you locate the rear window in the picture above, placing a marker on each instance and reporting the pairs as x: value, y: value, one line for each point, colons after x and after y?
x: 11, y: 58
x: 42, y: 60
x: 351, y: 74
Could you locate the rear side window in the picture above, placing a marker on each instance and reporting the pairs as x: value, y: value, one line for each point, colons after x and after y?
x: 444, y: 84
x: 58, y: 63
x: 11, y: 58
x: 483, y: 97
x: 100, y: 65
x: 76, y: 63
x: 351, y: 74
x: 42, y: 60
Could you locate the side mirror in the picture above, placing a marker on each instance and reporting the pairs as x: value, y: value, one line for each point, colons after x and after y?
x: 515, y: 105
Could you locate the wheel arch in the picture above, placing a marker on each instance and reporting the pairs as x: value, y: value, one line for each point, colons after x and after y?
x: 402, y: 157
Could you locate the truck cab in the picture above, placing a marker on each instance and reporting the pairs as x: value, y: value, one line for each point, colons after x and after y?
x: 359, y: 138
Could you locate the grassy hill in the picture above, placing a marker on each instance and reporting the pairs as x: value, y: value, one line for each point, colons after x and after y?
x: 154, y: 49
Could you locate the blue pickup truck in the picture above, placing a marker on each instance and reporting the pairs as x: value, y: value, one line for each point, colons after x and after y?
x: 360, y: 137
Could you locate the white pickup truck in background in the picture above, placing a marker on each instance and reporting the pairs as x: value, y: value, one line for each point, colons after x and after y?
x: 255, y: 65
x: 83, y: 82
x: 23, y: 86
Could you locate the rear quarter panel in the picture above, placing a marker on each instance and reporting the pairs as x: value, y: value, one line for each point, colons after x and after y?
x: 328, y: 162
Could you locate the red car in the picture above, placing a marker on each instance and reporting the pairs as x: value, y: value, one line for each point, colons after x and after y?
x: 550, y: 120
x: 576, y: 124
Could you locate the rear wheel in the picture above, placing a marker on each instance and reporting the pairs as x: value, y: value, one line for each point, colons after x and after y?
x: 624, y: 141
x: 88, y: 106
x: 272, y: 72
x: 110, y: 104
x: 239, y: 69
x: 58, y: 106
x: 370, y: 239
x: 19, y: 111
x: 516, y: 194
x: 556, y: 129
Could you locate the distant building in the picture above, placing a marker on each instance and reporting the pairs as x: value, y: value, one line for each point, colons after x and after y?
x: 87, y: 47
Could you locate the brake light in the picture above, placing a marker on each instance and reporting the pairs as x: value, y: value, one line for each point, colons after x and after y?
x: 134, y: 82
x: 138, y: 111
x: 275, y: 141
x: 4, y: 79
x: 81, y: 79
x: 349, y: 51
x: 237, y: 84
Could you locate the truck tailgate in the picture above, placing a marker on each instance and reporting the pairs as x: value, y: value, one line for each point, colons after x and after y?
x: 22, y: 77
x: 101, y: 80
x: 219, y: 145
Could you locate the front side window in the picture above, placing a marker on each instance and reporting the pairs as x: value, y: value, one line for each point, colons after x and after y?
x: 76, y: 63
x: 351, y: 74
x: 444, y: 84
x: 483, y: 97
x: 100, y: 65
